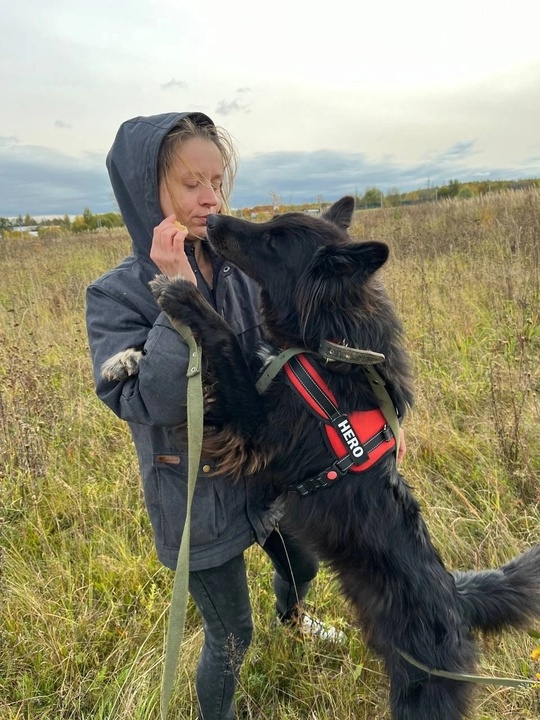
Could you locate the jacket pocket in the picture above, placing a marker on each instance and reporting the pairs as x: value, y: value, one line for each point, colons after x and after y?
x: 214, y: 502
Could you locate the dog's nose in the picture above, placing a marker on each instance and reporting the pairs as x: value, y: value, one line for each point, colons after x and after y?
x: 212, y: 220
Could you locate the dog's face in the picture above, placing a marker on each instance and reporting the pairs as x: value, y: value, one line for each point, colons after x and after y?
x: 279, y: 249
x: 306, y: 266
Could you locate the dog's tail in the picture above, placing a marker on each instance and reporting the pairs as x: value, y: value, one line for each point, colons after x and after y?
x: 506, y: 597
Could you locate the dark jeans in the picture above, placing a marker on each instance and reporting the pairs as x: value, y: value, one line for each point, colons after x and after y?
x: 222, y: 597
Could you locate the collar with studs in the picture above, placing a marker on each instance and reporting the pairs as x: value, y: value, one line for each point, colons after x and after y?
x: 334, y: 352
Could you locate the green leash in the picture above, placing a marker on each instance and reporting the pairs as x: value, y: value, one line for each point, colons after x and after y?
x: 195, y: 413
x: 385, y: 401
x: 178, y: 606
x: 466, y: 677
x: 275, y: 365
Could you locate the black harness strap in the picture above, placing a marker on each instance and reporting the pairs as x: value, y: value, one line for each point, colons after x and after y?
x: 328, y: 410
x: 325, y: 409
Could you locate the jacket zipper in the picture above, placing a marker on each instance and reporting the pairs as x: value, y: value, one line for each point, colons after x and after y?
x: 190, y: 250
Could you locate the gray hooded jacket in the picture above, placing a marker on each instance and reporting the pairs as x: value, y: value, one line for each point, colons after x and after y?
x: 121, y: 312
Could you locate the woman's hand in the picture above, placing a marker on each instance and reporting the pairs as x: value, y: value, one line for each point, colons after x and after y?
x: 167, y: 250
x: 402, y: 445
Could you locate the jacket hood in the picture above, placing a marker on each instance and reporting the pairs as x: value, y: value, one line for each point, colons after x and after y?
x: 132, y: 165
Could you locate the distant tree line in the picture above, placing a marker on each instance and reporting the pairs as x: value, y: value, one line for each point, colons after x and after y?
x: 372, y: 198
x: 87, y: 222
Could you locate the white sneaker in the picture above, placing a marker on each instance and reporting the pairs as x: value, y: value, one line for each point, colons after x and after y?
x: 310, y: 626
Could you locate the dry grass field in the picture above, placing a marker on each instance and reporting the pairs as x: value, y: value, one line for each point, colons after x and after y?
x: 83, y: 600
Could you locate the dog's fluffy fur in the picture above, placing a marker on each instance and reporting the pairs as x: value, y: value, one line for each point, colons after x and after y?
x: 317, y: 284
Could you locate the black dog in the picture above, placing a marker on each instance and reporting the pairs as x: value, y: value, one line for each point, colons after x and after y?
x: 317, y: 285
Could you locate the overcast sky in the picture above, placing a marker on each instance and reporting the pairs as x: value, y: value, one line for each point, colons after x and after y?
x: 321, y: 101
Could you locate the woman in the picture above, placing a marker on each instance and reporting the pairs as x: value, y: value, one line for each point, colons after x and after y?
x: 167, y: 168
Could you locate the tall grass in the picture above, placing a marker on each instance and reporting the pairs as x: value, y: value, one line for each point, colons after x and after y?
x: 83, y: 599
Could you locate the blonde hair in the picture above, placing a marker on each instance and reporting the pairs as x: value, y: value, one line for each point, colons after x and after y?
x: 197, y: 126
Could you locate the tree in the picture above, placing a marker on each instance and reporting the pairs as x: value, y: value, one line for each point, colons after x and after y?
x: 393, y: 197
x: 90, y: 220
x: 277, y: 202
x: 454, y: 187
x: 5, y: 223
x: 373, y: 197
x: 110, y: 220
x: 451, y: 190
x: 79, y: 225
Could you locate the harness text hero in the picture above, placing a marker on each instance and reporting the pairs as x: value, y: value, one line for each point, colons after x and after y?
x: 350, y: 438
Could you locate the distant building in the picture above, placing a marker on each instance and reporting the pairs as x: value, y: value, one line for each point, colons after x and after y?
x: 28, y: 229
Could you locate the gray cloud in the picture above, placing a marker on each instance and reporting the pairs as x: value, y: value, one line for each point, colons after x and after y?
x: 174, y: 83
x: 300, y: 177
x: 461, y: 149
x: 234, y: 106
x: 61, y: 124
x: 42, y: 181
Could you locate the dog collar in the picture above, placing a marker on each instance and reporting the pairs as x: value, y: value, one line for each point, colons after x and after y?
x: 334, y: 352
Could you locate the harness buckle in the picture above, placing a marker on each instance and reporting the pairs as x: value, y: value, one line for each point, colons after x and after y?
x: 342, y: 465
x: 387, y: 433
x: 311, y: 485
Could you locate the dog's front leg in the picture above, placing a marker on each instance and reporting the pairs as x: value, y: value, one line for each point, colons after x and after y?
x: 239, y: 405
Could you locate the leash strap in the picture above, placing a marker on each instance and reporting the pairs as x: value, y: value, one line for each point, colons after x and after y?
x: 384, y: 400
x: 177, y: 610
x: 275, y: 365
x: 195, y: 408
x: 467, y: 677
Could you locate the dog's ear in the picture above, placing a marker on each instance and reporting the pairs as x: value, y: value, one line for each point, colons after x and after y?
x: 355, y: 260
x: 331, y: 285
x: 341, y: 212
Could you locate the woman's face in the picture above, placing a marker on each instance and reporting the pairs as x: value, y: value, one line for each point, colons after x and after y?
x: 192, y: 188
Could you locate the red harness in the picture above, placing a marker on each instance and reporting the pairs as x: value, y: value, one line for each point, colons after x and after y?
x: 357, y: 440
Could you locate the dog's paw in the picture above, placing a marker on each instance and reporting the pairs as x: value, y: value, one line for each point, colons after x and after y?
x: 121, y: 366
x: 176, y: 288
x: 175, y: 295
x: 159, y: 285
